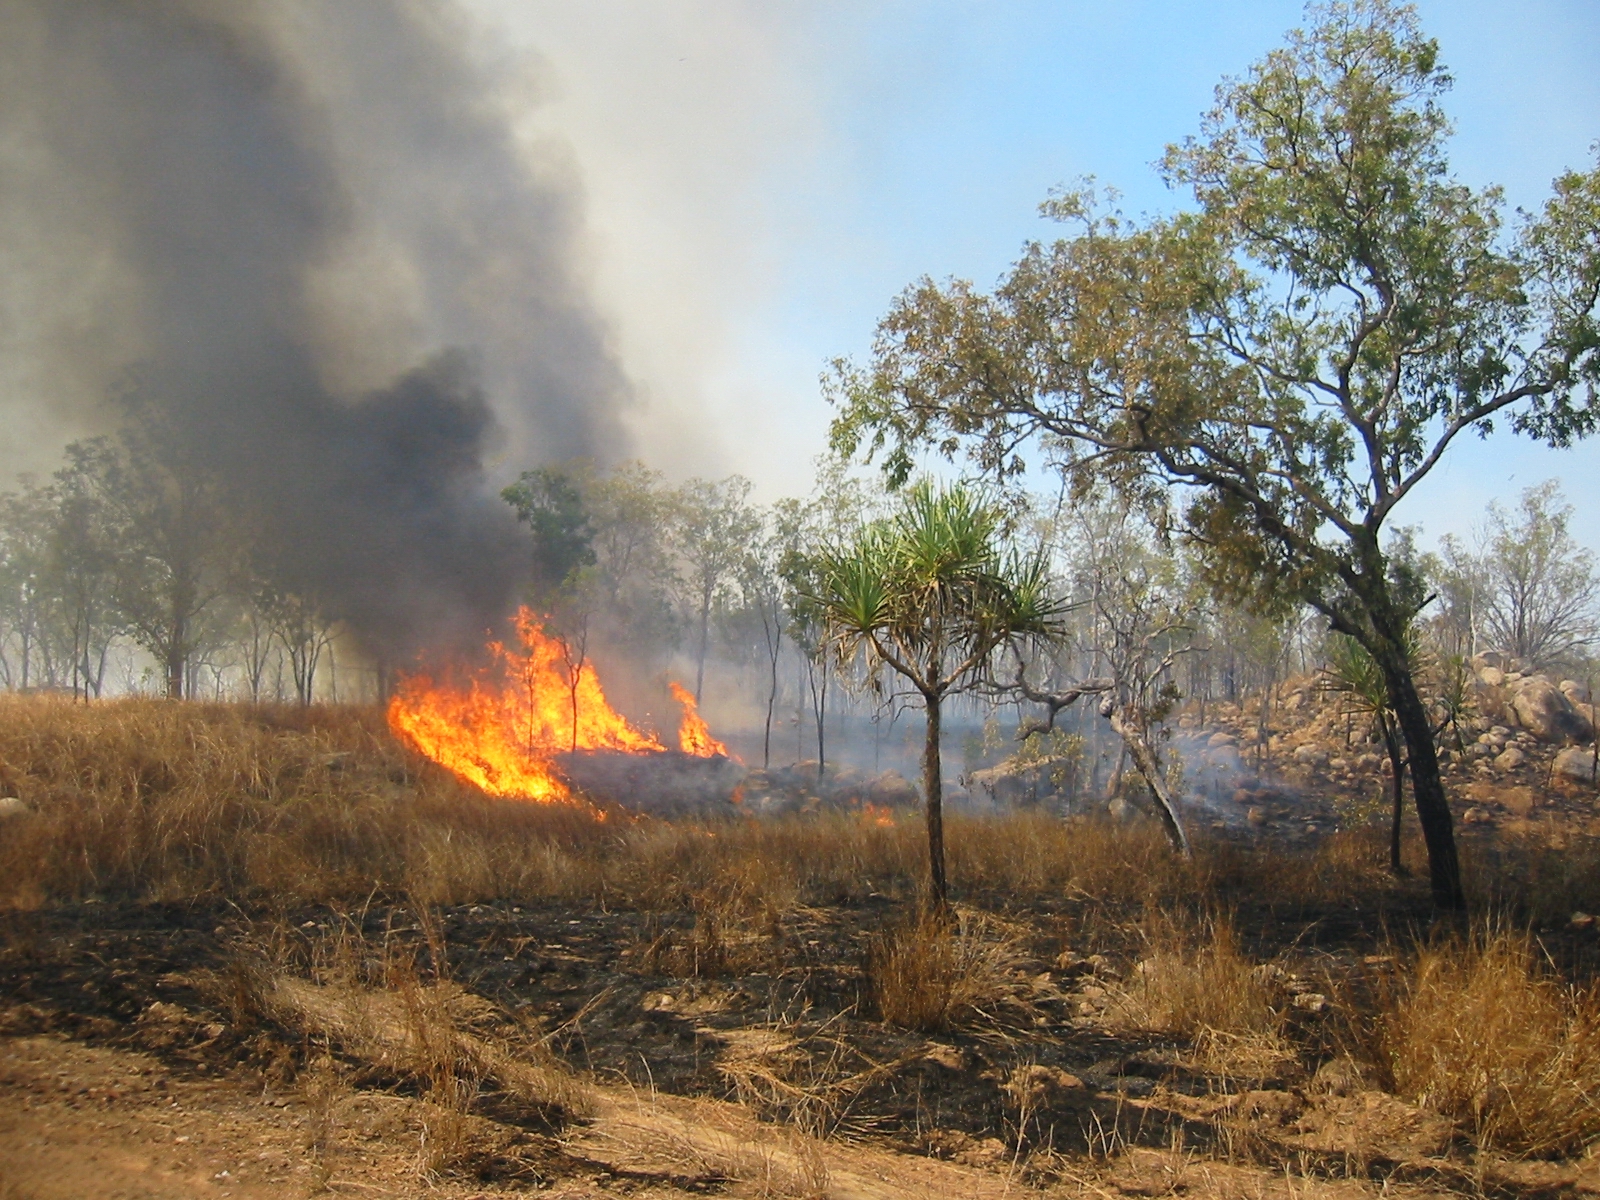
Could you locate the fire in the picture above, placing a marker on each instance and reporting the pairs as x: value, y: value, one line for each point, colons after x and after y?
x: 877, y: 814
x: 694, y: 735
x: 499, y: 728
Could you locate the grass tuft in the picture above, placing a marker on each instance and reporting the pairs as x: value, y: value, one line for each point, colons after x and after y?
x: 1485, y: 1034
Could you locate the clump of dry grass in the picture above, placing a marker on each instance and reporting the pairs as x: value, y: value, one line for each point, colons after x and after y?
x: 940, y: 970
x: 1195, y: 980
x: 1482, y: 1033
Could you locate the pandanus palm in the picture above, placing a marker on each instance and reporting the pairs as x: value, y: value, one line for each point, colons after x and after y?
x: 930, y: 593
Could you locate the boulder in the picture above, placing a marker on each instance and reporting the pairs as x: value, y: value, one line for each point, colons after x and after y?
x: 1546, y: 712
x: 1576, y: 762
x: 893, y: 790
x: 1510, y: 759
x: 1493, y: 676
x: 10, y: 807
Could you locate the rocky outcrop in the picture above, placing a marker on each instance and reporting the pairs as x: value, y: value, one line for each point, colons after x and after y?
x: 1547, y: 712
x: 1533, y: 703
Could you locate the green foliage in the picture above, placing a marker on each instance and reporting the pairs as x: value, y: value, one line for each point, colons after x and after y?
x: 1302, y: 349
x: 930, y: 592
x: 549, y: 501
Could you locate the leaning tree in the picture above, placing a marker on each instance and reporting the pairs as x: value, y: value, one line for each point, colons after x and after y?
x: 930, y: 593
x: 1295, y: 354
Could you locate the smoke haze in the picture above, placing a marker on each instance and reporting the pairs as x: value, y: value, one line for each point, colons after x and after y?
x: 312, y: 232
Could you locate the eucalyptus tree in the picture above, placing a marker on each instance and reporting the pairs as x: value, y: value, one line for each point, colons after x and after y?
x: 762, y: 595
x: 303, y: 629
x: 177, y: 550
x: 84, y: 563
x: 1532, y: 589
x: 1142, y: 619
x: 712, y: 531
x: 26, y: 601
x: 930, y: 593
x: 1298, y: 351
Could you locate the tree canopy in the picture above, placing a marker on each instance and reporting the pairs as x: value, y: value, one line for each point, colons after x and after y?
x: 1295, y: 353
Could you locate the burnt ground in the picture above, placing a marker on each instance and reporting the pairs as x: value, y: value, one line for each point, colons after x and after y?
x: 135, y: 1061
x: 112, y: 1009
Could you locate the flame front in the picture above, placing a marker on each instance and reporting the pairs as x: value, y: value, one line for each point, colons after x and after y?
x: 499, y: 728
x: 694, y: 735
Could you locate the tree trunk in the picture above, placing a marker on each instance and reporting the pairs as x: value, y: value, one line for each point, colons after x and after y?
x: 1433, y: 810
x: 1144, y: 758
x: 772, y: 700
x: 819, y: 699
x: 933, y: 799
x: 175, y: 665
x: 705, y: 636
x: 1397, y: 768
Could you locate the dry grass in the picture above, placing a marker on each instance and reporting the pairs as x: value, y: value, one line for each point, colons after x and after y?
x: 373, y: 1002
x: 150, y: 799
x: 1483, y: 1033
x: 1194, y: 980
x: 940, y: 970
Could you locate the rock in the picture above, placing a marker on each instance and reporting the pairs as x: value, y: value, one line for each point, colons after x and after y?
x: 162, y: 1013
x: 1038, y: 1086
x: 1547, y: 713
x: 1310, y: 756
x: 1581, y: 920
x: 1313, y: 1002
x: 1493, y: 676
x: 1256, y: 815
x: 1338, y: 1076
x: 894, y: 790
x: 1274, y: 1107
x: 948, y: 1057
x: 11, y: 806
x: 1218, y: 740
x: 1477, y: 816
x: 1576, y: 762
x: 1510, y: 759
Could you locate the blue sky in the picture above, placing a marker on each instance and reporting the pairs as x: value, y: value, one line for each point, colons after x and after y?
x: 763, y: 178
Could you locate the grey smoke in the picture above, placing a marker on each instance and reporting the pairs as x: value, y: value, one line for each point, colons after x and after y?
x: 313, y: 229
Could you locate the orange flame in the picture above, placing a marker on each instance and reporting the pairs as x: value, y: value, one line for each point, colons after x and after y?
x: 501, y: 728
x: 877, y: 814
x: 694, y: 735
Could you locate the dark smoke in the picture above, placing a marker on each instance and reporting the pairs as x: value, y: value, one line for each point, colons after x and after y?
x: 312, y: 229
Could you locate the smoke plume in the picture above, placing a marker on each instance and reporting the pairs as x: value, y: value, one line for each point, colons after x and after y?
x: 311, y: 231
